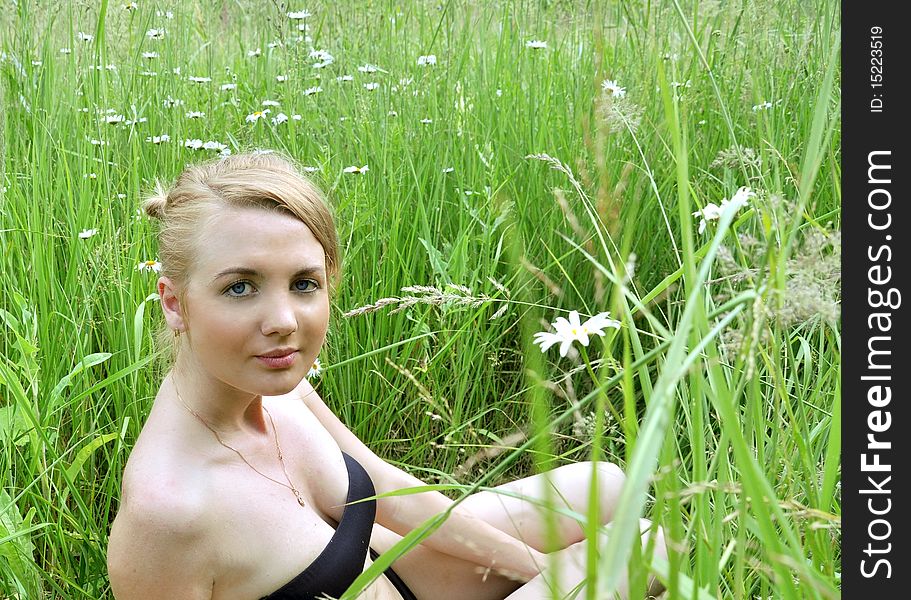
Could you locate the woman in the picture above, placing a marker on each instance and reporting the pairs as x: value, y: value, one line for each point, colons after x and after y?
x: 236, y: 487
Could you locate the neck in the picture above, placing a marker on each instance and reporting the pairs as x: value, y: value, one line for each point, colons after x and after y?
x: 222, y: 407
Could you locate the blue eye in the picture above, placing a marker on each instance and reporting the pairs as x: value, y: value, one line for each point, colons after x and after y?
x: 315, y: 285
x: 235, y: 285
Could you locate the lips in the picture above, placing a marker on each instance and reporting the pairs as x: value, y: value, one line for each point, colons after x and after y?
x: 278, y: 353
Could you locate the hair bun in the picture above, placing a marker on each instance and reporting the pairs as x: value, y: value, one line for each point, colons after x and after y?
x: 154, y: 205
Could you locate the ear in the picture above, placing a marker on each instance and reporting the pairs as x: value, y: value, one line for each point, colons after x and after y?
x: 170, y: 304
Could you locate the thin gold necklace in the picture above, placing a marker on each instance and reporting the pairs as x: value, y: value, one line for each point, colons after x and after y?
x: 290, y: 486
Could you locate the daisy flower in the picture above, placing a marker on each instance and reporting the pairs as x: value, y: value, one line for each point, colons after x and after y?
x: 312, y: 90
x: 301, y: 14
x: 430, y: 59
x: 195, y: 144
x: 536, y: 44
x: 609, y: 85
x: 356, y: 169
x: 65, y: 51
x: 572, y: 330
x: 84, y: 37
x: 150, y: 55
x: 344, y: 78
x: 227, y: 87
x: 279, y: 118
x: 371, y: 86
x: 257, y: 115
x: 149, y: 265
x: 763, y: 106
x: 200, y: 79
x: 315, y: 370
x: 87, y: 233
x: 271, y: 103
x: 426, y: 121
x: 254, y: 53
x: 712, y: 211
x: 114, y: 119
x: 195, y: 114
x: 158, y: 139
x: 155, y: 34
x: 130, y: 6
x: 281, y: 78
x: 368, y: 68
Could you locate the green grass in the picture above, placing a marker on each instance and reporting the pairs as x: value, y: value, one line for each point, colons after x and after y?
x: 724, y: 378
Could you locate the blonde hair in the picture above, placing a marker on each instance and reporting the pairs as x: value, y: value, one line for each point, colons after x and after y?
x: 270, y: 181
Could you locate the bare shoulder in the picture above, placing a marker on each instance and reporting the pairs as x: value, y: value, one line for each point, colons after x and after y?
x: 157, y: 545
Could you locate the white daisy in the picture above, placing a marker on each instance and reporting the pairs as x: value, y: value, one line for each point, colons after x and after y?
x: 158, y: 139
x: 281, y: 78
x: 426, y: 121
x: 448, y: 169
x: 311, y: 169
x: 609, y: 85
x: 149, y: 73
x: 114, y: 119
x: 302, y: 14
x: 214, y: 146
x: 65, y: 51
x: 429, y: 59
x: 712, y: 211
x: 296, y: 117
x: 195, y: 114
x: 194, y: 144
x: 84, y: 37
x: 200, y: 79
x: 371, y: 86
x: 271, y: 103
x: 227, y: 87
x: 536, y: 44
x: 155, y: 34
x: 254, y: 53
x: 164, y: 13
x: 368, y: 68
x: 344, y: 78
x: 279, y: 118
x: 356, y: 169
x: 569, y: 331
x: 312, y: 90
x: 763, y: 106
x: 149, y: 265
x: 315, y: 370
x: 150, y: 55
x: 257, y: 115
x: 87, y: 233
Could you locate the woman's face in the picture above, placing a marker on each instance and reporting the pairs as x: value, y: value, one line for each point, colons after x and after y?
x: 259, y: 284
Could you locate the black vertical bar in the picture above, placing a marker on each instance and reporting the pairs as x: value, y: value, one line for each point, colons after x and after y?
x: 874, y: 281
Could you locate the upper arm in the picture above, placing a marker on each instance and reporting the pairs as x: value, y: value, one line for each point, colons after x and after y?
x: 159, y: 551
x: 386, y: 477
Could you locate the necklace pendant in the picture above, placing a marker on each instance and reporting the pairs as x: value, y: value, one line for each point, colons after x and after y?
x: 299, y: 499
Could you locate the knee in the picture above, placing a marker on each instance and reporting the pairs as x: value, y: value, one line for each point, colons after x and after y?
x: 655, y: 539
x: 576, y: 482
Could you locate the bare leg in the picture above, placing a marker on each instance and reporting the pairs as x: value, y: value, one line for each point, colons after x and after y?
x: 570, y: 565
x: 434, y: 575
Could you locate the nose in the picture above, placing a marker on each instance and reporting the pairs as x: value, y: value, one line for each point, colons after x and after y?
x: 280, y: 316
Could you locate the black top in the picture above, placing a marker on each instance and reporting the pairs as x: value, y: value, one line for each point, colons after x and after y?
x: 342, y: 560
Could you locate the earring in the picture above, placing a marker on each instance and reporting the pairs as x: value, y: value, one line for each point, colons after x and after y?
x: 176, y: 334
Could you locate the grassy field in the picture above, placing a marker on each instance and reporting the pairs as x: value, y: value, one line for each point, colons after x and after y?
x: 523, y: 159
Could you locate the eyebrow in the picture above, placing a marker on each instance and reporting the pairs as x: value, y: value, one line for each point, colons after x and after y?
x: 248, y: 271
